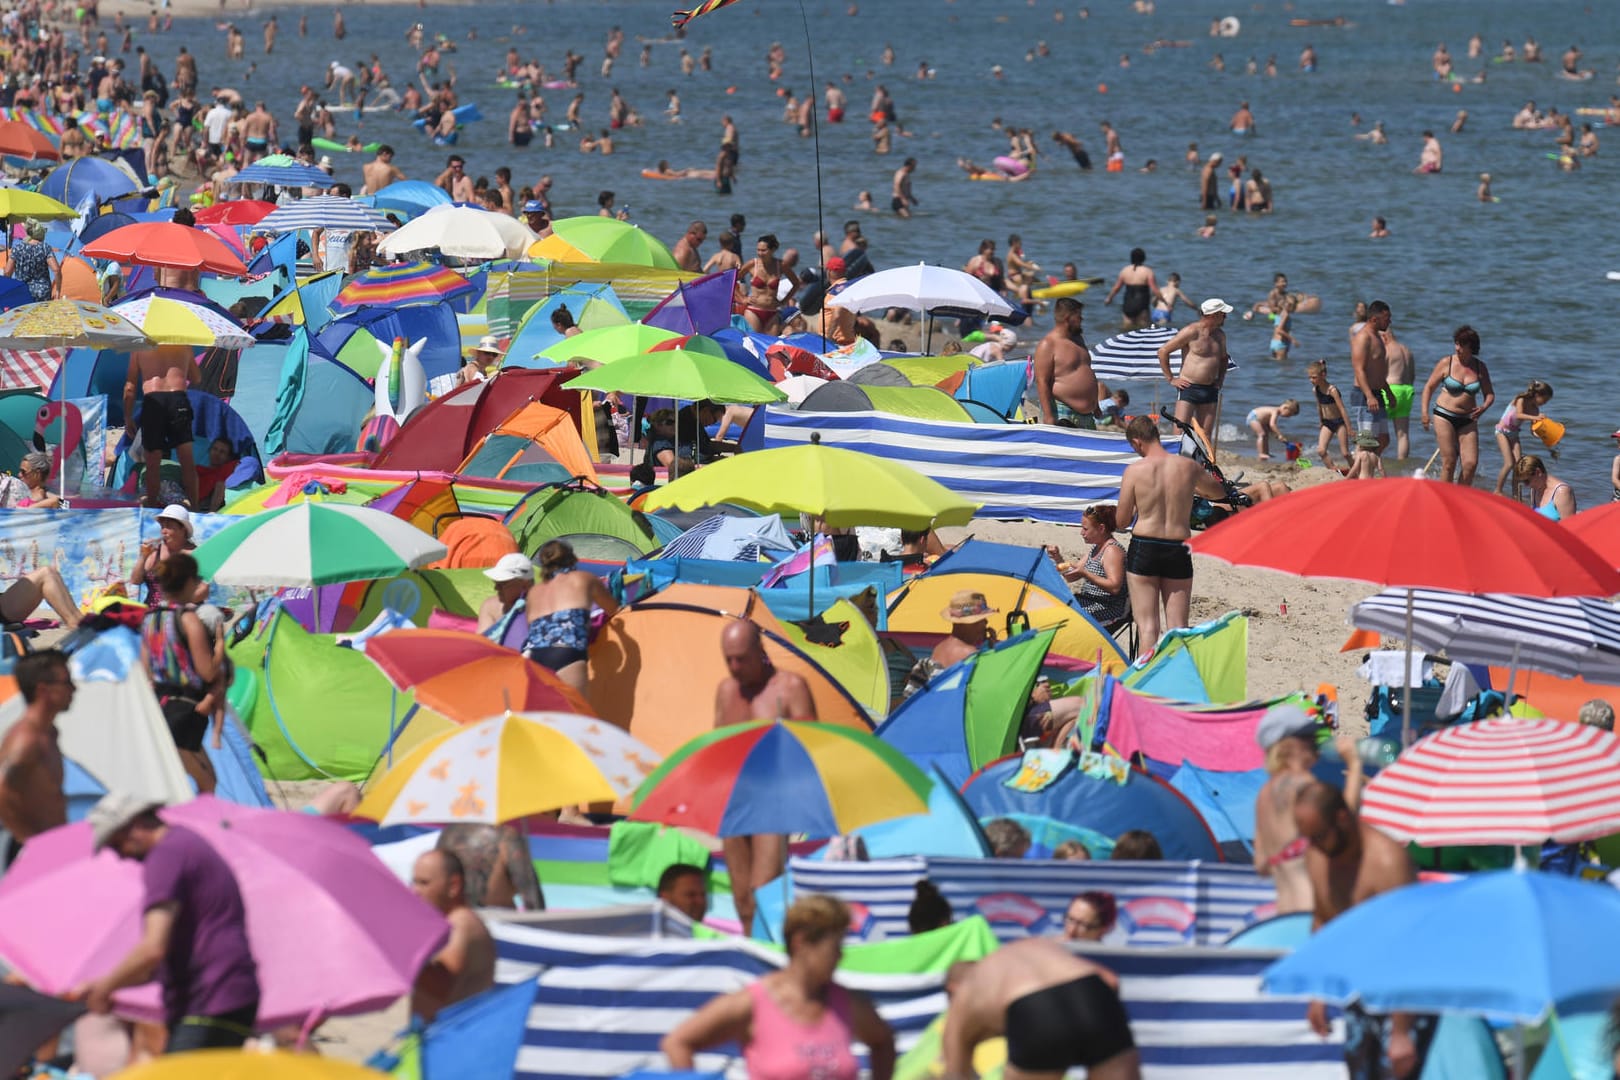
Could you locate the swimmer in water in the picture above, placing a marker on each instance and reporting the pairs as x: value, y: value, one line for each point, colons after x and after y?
x: 1431, y: 158
x: 1484, y: 192
x: 1243, y: 121
x: 1380, y: 229
x: 864, y: 201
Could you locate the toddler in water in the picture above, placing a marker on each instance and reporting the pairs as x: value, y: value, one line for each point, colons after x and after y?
x: 1281, y: 339
x: 1263, y: 422
x: 1330, y: 409
x: 1524, y: 407
x: 1365, y: 464
x: 1208, y: 230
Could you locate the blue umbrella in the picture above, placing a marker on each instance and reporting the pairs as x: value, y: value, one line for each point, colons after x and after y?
x: 292, y: 174
x: 1507, y: 945
x: 410, y: 196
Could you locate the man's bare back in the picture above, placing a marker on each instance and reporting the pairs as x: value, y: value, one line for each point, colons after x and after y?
x: 471, y: 939
x: 164, y: 368
x: 378, y: 175
x: 1160, y: 491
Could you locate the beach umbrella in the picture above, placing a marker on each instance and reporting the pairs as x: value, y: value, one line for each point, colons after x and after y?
x: 1563, y: 636
x: 235, y: 212
x: 462, y: 232
x: 1507, y: 944
x: 1506, y: 781
x: 607, y: 344
x: 684, y: 374
x: 598, y: 239
x: 170, y: 321
x: 332, y: 930
x: 66, y: 324
x: 1133, y: 354
x: 100, y: 179
x: 410, y: 196
x: 1441, y: 536
x: 28, y: 1020
x: 401, y: 285
x: 163, y: 243
x: 21, y: 140
x: 1599, y: 527
x: 323, y: 212
x: 255, y: 1065
x: 921, y: 288
x: 16, y: 204
x: 509, y: 767
x: 843, y: 487
x: 291, y: 173
x: 465, y: 676
x: 314, y: 544
x: 777, y: 776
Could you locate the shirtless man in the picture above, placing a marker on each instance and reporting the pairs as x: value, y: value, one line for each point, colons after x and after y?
x: 466, y: 964
x: 1243, y: 120
x: 1157, y: 492
x: 1204, y: 360
x: 1288, y: 736
x: 840, y: 324
x: 258, y: 132
x: 162, y: 374
x: 1056, y: 1010
x: 454, y: 179
x: 1432, y: 157
x: 1064, y: 382
x: 755, y: 690
x: 901, y: 198
x: 1372, y: 400
x: 381, y: 171
x: 1350, y: 862
x: 1398, y: 359
x: 31, y: 798
x: 687, y: 255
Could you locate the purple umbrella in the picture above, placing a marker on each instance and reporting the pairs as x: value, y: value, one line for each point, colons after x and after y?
x: 333, y: 931
x: 696, y: 307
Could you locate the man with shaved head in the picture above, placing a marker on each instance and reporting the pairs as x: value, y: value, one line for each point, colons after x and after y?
x: 755, y: 690
x: 466, y: 964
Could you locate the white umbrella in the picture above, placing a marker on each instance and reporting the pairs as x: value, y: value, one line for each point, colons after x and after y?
x: 463, y: 232
x: 921, y: 288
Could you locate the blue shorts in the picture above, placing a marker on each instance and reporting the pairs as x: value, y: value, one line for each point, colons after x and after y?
x: 1200, y: 394
x: 1363, y: 417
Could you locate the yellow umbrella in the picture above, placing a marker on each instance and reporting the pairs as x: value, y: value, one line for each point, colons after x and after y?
x: 509, y: 767
x: 16, y: 203
x: 246, y: 1065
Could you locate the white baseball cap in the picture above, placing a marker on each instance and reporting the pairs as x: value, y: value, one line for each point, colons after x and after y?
x: 513, y: 567
x: 1215, y: 306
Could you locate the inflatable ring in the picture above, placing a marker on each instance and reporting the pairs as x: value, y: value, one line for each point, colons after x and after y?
x: 1230, y: 26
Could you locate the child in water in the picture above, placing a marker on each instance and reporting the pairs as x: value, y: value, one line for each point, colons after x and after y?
x: 1281, y: 339
x: 1263, y: 422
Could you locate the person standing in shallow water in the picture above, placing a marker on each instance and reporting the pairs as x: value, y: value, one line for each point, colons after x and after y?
x: 1139, y: 287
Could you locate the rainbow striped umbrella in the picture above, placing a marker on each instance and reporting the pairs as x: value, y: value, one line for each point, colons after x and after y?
x: 777, y: 776
x: 401, y: 285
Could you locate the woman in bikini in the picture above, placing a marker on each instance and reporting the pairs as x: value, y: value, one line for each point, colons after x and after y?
x: 559, y: 609
x: 1525, y: 406
x: 1464, y: 393
x: 761, y: 276
x: 1140, y: 288
x: 1550, y: 497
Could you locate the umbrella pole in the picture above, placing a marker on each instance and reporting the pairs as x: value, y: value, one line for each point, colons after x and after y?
x: 1513, y: 674
x: 1406, y: 680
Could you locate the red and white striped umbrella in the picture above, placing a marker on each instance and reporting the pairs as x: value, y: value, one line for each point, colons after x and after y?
x: 1509, y: 781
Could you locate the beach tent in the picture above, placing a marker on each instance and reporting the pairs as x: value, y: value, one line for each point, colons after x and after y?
x: 592, y: 307
x: 354, y: 338
x: 320, y: 710
x: 19, y: 409
x: 474, y: 542
x: 998, y: 387
x: 88, y: 372
x: 1203, y: 663
x: 949, y: 828
x: 441, y: 434
x: 1101, y: 804
x: 969, y: 714
x: 115, y: 729
x: 304, y: 303
x: 655, y: 664
x: 100, y: 180
x: 922, y: 402
x: 410, y: 197
x: 597, y: 523
x: 790, y: 598
x: 414, y: 595
x: 1167, y: 733
x: 1225, y: 800
x: 847, y: 648
x: 537, y: 444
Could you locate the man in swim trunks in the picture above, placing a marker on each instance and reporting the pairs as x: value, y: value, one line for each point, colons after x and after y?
x: 1056, y: 1010
x: 1203, y: 364
x: 1399, y: 360
x: 1243, y: 120
x: 258, y: 131
x: 837, y: 102
x: 1064, y: 382
x: 755, y: 689
x: 1158, y: 492
x: 901, y: 199
x: 1371, y: 400
x: 1349, y: 863
x: 162, y: 374
x: 1287, y: 734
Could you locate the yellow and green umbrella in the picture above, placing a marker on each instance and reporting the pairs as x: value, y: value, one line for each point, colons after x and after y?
x: 509, y: 767
x: 16, y: 203
x: 776, y: 776
x: 842, y: 487
x: 679, y: 373
x: 603, y: 240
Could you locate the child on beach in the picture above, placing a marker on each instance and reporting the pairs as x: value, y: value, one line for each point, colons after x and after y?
x: 1330, y: 409
x: 1365, y: 464
x: 1524, y: 407
x: 1263, y: 422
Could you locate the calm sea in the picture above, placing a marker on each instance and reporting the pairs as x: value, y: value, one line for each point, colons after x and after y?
x: 1527, y: 271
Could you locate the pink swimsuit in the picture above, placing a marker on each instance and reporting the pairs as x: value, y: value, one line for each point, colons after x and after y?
x: 783, y: 1049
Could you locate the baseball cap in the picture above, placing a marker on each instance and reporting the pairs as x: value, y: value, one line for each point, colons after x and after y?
x: 176, y: 512
x: 1281, y: 722
x: 836, y: 266
x: 114, y: 812
x: 1216, y: 156
x: 1616, y: 435
x: 1215, y: 306
x: 534, y: 206
x: 513, y: 567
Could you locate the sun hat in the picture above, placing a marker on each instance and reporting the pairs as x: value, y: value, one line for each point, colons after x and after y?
x: 513, y: 567
x: 113, y: 813
x: 176, y: 512
x: 968, y: 606
x: 1282, y: 722
x: 1214, y: 306
x: 1366, y: 440
x: 489, y: 343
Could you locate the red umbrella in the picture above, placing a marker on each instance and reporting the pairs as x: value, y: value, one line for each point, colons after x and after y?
x: 1409, y: 534
x: 466, y: 677
x: 18, y: 139
x: 163, y: 243
x: 235, y: 212
x: 1599, y: 527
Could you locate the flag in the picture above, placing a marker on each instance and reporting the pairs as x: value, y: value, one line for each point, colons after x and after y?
x: 681, y: 18
x: 817, y: 553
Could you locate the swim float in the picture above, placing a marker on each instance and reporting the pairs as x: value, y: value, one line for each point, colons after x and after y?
x: 1059, y: 289
x: 1010, y: 165
x: 1230, y: 26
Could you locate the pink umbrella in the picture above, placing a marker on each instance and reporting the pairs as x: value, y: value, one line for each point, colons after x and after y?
x: 333, y: 931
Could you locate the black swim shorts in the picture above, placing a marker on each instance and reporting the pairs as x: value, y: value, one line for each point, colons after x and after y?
x: 1151, y: 557
x: 186, y: 724
x: 1200, y: 394
x: 165, y: 419
x: 1075, y: 1023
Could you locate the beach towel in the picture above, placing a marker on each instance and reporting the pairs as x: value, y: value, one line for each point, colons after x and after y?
x: 639, y: 852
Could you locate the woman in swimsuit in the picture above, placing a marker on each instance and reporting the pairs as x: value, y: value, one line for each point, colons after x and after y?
x: 559, y: 608
x: 1140, y: 288
x: 1465, y: 393
x: 1550, y: 497
x: 760, y: 276
x: 34, y: 471
x: 1525, y: 406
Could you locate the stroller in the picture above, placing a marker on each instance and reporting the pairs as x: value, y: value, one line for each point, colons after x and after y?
x: 1204, y: 512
